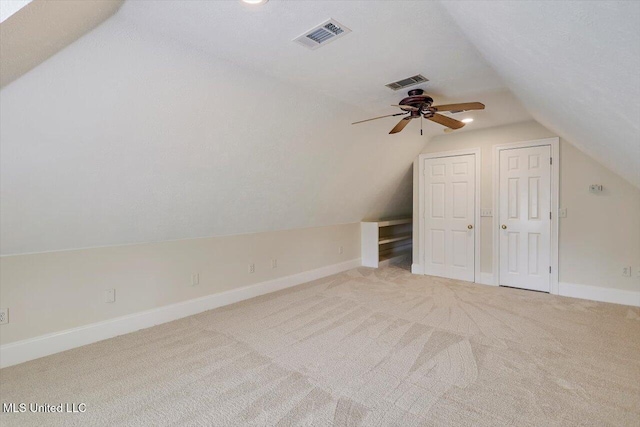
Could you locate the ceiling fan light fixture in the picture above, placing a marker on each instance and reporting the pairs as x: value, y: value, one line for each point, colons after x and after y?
x: 467, y: 120
x: 254, y: 2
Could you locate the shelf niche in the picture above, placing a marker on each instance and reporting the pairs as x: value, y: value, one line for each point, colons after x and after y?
x: 385, y: 241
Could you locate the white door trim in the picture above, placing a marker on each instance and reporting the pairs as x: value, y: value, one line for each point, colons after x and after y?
x: 421, y: 188
x: 555, y: 197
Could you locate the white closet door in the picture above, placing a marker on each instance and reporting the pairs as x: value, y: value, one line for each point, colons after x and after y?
x: 450, y: 186
x: 525, y: 224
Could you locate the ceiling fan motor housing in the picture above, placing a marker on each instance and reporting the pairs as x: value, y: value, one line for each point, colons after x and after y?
x: 418, y: 100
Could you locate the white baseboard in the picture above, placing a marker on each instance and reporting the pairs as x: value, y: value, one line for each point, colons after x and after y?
x: 593, y: 293
x: 33, y: 348
x: 596, y: 293
x: 416, y: 269
x: 486, y: 279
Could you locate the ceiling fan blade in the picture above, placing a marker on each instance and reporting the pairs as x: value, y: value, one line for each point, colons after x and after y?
x: 446, y: 121
x: 406, y: 107
x: 465, y: 106
x: 376, y: 118
x: 401, y: 124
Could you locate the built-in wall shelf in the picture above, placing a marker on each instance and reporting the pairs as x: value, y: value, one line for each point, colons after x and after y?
x: 391, y: 239
x: 392, y: 222
x: 385, y: 241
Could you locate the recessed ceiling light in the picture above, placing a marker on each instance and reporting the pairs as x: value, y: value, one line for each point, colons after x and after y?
x: 255, y: 1
x: 469, y: 120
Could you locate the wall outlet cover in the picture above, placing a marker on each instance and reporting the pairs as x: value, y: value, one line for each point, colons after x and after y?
x: 195, y: 279
x: 110, y: 295
x: 4, y: 316
x: 252, y: 268
x: 626, y: 271
x: 562, y: 212
x: 274, y: 263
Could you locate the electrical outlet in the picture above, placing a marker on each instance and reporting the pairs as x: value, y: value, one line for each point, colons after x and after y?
x: 486, y: 212
x: 626, y: 271
x: 252, y: 268
x: 110, y: 295
x: 4, y: 316
x: 195, y: 279
x: 340, y: 250
x: 562, y: 212
x: 274, y: 263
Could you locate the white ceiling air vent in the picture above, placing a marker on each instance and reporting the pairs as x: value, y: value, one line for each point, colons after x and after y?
x: 324, y: 33
x: 409, y: 81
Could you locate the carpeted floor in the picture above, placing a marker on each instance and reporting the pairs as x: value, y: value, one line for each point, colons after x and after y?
x: 363, y: 348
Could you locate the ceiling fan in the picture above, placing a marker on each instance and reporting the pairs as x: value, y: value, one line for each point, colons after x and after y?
x: 418, y: 105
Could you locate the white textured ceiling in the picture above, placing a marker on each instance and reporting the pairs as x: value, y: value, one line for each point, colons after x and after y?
x: 188, y: 119
x: 179, y: 119
x: 389, y: 41
x: 575, y: 65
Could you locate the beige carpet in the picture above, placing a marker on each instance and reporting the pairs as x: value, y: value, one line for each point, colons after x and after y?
x: 363, y: 348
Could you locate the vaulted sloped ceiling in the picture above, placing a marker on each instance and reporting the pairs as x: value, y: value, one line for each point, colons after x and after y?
x: 183, y: 119
x: 179, y: 119
x: 575, y: 65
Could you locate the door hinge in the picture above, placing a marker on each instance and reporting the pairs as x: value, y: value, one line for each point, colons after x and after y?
x: 550, y: 160
x: 550, y: 215
x: 549, y: 269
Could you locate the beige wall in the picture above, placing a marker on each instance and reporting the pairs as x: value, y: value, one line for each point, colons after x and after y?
x: 54, y: 291
x: 601, y: 233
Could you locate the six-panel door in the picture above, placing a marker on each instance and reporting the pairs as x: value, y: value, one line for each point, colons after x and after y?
x: 449, y: 217
x: 524, y: 217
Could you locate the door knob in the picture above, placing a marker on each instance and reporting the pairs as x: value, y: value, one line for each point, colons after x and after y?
x: 504, y: 227
x: 469, y: 226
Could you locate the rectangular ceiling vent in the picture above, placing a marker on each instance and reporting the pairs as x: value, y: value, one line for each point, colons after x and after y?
x: 409, y: 81
x: 322, y: 34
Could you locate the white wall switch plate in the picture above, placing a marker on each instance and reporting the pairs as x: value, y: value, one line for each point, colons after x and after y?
x: 195, y: 279
x: 252, y: 268
x: 626, y: 271
x: 562, y: 212
x: 110, y: 295
x: 274, y: 263
x: 486, y: 212
x: 340, y: 250
x: 4, y: 316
